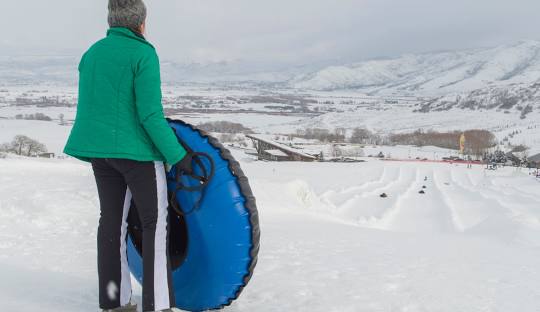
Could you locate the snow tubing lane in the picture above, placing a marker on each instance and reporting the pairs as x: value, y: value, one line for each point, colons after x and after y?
x: 214, y: 249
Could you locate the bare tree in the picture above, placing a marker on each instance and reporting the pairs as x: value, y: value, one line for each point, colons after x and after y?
x: 18, y: 143
x: 336, y: 151
x: 224, y: 127
x: 340, y: 132
x: 5, y: 148
x: 478, y: 142
x: 323, y: 135
x: 34, y: 148
x: 23, y: 145
x: 226, y: 137
x: 361, y: 136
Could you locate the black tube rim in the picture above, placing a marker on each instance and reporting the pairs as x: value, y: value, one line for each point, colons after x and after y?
x: 250, y: 204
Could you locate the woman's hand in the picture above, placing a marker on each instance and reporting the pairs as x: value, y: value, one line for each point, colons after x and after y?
x: 184, y: 165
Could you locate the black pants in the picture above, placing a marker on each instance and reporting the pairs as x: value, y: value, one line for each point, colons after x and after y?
x: 121, y: 182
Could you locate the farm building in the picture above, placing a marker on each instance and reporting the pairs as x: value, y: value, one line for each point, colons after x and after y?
x: 534, y: 161
x: 274, y: 151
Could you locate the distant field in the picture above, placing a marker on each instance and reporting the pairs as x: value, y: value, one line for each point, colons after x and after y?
x: 327, y: 110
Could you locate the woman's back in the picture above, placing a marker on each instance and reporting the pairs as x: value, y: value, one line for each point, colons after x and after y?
x: 119, y: 113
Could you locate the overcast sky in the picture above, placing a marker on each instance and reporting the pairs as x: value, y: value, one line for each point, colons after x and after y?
x: 280, y: 31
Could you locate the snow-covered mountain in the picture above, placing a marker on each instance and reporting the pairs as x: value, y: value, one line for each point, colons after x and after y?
x: 234, y: 72
x: 433, y: 73
x: 490, y: 71
x: 521, y: 97
x: 31, y: 69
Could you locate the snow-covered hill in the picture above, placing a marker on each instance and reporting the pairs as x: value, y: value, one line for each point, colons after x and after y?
x: 524, y: 98
x: 433, y: 73
x: 505, y: 78
x: 429, y: 74
x: 469, y: 244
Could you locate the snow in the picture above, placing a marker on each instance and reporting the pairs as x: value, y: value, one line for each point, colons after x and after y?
x: 436, y: 73
x: 371, y: 112
x: 54, y: 135
x: 410, y: 152
x: 400, y: 119
x: 276, y: 152
x: 257, y: 122
x: 378, y: 117
x: 329, y: 242
x: 280, y: 146
x: 432, y: 73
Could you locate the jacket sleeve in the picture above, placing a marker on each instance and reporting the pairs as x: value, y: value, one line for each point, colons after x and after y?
x: 81, y: 62
x: 150, y: 109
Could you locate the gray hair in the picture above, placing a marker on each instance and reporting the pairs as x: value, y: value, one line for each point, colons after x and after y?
x: 127, y: 13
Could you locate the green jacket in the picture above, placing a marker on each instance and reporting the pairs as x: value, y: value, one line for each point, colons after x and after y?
x: 119, y: 113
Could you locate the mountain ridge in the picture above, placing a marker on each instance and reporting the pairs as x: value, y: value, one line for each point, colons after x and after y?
x: 433, y: 73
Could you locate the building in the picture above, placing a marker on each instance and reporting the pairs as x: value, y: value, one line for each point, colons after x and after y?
x: 534, y: 161
x: 274, y: 151
x: 46, y: 155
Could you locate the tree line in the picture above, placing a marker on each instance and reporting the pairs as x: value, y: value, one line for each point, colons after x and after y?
x: 476, y: 141
x: 36, y: 116
x: 322, y: 135
x: 23, y: 146
x: 224, y: 127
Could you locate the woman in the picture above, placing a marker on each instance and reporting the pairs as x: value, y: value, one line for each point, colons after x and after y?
x: 120, y: 128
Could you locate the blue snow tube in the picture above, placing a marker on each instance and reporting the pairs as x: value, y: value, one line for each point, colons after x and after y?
x: 214, y: 232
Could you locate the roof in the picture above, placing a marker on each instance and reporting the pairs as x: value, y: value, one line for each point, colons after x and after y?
x: 281, y: 147
x: 534, y: 158
x: 276, y: 152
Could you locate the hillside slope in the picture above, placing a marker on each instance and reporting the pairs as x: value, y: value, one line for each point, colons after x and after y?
x: 523, y: 98
x: 433, y: 73
x: 469, y: 244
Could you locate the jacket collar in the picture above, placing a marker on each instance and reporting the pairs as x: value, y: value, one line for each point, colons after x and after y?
x: 126, y: 32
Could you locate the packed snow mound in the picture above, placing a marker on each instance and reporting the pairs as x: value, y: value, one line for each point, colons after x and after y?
x: 456, y: 200
x: 433, y: 73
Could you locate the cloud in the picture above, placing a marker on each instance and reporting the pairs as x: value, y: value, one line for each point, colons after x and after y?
x: 279, y: 31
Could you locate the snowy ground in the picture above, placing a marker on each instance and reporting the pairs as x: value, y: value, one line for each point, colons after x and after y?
x: 50, y: 133
x: 353, y: 109
x: 329, y: 242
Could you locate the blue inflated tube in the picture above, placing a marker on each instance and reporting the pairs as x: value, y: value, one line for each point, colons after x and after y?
x: 214, y: 242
